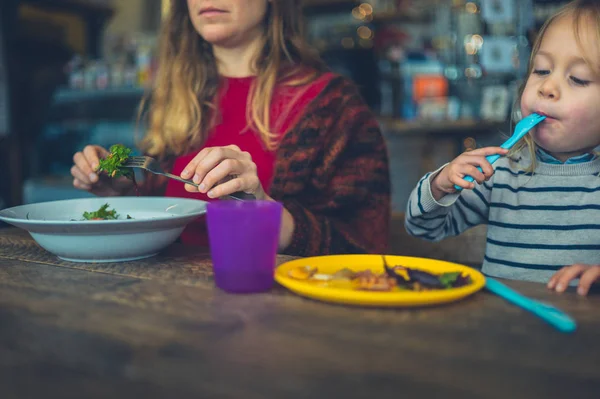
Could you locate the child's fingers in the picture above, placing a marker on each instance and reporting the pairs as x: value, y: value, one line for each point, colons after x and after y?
x: 486, y: 167
x: 589, y: 277
x: 467, y: 164
x: 485, y: 151
x: 570, y: 273
x: 461, y: 182
x: 475, y: 173
x: 481, y: 161
x: 555, y: 277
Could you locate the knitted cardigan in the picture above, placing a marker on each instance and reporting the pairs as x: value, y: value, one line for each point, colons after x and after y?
x: 332, y: 174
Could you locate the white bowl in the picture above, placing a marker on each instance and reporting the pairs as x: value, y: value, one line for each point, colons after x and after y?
x: 59, y: 227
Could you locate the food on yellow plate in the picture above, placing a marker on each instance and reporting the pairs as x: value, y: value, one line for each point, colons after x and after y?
x: 302, y: 273
x: 397, y: 278
x: 343, y: 274
x: 369, y: 281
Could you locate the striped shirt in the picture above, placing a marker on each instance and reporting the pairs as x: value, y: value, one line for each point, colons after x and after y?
x: 537, y: 223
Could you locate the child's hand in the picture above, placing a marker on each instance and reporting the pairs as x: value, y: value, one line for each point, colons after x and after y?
x: 465, y: 165
x: 587, y: 276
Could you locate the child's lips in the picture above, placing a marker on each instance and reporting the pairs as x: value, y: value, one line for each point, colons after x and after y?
x: 548, y: 119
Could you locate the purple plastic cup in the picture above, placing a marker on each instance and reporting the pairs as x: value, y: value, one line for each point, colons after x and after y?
x: 243, y: 238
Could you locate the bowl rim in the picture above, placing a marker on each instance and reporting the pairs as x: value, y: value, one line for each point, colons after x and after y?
x: 202, y: 207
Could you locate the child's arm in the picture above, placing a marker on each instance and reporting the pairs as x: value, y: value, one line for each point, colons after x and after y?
x: 436, y: 210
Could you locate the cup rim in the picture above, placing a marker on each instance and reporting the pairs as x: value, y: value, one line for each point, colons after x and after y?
x: 243, y: 205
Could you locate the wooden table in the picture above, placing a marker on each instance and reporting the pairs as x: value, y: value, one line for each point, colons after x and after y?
x: 159, y: 329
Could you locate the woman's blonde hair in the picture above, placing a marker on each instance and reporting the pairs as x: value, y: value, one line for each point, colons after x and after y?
x: 581, y: 11
x: 182, y: 103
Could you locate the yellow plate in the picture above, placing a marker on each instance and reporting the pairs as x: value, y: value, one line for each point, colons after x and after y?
x: 331, y: 264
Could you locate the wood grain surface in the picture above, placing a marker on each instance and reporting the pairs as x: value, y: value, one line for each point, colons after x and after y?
x: 158, y: 328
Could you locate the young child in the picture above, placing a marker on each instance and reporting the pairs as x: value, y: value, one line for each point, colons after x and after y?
x: 542, y: 201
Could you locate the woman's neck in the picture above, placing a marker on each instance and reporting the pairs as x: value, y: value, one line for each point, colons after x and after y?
x: 237, y: 62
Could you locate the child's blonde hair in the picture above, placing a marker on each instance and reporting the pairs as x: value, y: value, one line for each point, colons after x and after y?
x: 581, y: 11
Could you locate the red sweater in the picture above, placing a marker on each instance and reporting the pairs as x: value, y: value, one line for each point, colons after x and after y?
x: 330, y: 172
x: 288, y: 105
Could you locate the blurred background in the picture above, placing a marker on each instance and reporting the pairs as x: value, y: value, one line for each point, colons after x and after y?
x: 441, y: 75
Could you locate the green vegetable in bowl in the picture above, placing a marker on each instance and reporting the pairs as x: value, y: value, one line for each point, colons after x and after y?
x: 103, y: 214
x: 112, y: 164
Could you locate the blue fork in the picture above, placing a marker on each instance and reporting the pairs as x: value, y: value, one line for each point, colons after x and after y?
x: 521, y: 129
x: 554, y: 316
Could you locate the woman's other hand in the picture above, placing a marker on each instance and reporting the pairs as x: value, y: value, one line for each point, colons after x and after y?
x: 86, y: 177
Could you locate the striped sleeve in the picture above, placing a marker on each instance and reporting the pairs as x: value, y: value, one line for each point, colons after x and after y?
x: 435, y: 220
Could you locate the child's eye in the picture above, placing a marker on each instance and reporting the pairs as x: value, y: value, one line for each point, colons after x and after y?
x: 541, y: 72
x: 579, y: 82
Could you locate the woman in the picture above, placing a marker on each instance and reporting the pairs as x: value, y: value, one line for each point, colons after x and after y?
x: 240, y: 96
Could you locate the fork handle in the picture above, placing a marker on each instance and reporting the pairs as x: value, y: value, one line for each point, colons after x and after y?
x: 552, y: 315
x: 175, y: 177
x: 240, y: 196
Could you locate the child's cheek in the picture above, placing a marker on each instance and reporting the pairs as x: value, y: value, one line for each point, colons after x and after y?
x: 526, y: 101
x: 579, y: 114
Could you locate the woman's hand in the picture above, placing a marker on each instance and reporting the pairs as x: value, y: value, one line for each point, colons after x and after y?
x: 587, y: 275
x: 211, y: 168
x: 85, y: 176
x: 465, y: 165
x: 216, y: 164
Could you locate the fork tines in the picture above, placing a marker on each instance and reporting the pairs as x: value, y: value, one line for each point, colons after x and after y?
x: 134, y: 161
x: 137, y: 159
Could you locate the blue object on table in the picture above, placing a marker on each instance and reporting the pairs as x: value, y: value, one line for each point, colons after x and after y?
x: 550, y: 314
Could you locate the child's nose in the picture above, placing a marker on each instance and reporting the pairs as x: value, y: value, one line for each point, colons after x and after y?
x: 549, y: 90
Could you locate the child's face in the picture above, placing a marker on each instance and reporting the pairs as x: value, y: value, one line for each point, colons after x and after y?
x: 563, y: 87
x: 228, y: 23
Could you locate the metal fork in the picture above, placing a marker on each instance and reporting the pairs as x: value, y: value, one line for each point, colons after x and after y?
x: 153, y: 166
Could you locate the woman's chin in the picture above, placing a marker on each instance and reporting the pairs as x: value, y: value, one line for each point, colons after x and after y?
x: 217, y: 36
